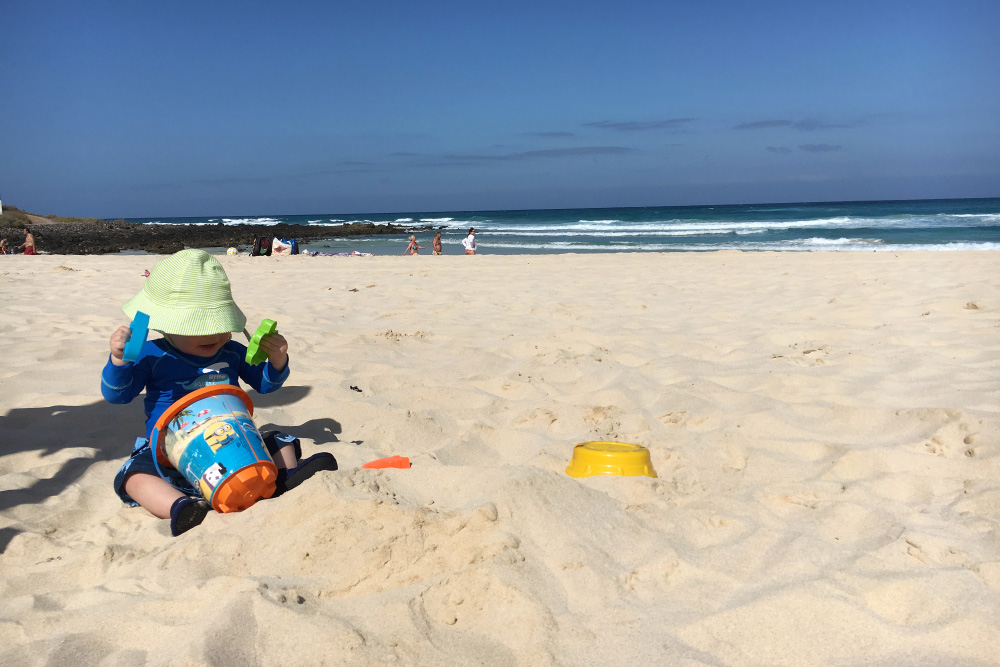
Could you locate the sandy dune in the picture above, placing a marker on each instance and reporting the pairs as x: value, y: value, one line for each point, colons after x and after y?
x: 824, y: 426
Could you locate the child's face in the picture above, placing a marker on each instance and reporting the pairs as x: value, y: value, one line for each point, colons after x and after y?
x: 199, y: 346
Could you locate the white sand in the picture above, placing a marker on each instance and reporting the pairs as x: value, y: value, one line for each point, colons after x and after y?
x: 824, y: 426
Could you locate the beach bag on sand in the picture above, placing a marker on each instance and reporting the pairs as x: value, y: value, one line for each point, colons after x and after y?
x: 295, y: 247
x: 261, y: 246
x: 281, y: 247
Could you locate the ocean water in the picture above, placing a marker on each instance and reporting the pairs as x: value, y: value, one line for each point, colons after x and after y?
x: 940, y: 224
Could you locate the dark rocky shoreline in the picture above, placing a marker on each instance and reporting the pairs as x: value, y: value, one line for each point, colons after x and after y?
x: 112, y: 236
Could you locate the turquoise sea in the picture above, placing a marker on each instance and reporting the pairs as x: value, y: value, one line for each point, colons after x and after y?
x: 933, y: 224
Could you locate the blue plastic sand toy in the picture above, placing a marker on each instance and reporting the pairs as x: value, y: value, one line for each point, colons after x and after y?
x: 139, y: 329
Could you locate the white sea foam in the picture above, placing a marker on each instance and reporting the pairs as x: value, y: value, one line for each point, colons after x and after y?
x: 685, y: 227
x: 251, y: 221
x: 614, y: 234
x: 225, y: 221
x: 674, y: 227
x: 832, y: 242
x: 986, y: 218
x: 452, y: 223
x: 795, y: 245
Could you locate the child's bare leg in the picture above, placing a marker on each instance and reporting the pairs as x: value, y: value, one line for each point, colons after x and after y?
x: 155, y: 494
x: 285, y: 458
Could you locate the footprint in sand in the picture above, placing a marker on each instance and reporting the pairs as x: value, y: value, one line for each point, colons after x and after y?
x: 672, y: 418
x: 538, y: 417
x: 936, y: 552
x: 682, y: 418
x: 784, y: 503
x: 922, y: 601
x: 970, y: 440
x: 653, y: 578
x: 805, y: 354
x: 606, y: 421
x: 936, y: 447
x: 281, y: 595
x: 597, y: 414
x: 474, y: 598
x: 952, y: 439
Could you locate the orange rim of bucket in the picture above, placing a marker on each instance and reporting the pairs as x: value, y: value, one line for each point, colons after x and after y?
x: 159, y: 430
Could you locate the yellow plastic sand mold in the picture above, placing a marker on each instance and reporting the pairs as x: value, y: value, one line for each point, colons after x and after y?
x: 610, y: 458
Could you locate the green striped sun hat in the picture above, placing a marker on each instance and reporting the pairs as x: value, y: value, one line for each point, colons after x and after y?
x: 188, y: 294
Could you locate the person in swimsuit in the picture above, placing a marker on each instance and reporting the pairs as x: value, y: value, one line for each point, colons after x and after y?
x: 412, y: 247
x: 436, y: 244
x: 29, y: 242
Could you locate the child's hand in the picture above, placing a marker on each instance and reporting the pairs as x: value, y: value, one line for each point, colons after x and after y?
x: 276, y: 348
x: 118, y: 340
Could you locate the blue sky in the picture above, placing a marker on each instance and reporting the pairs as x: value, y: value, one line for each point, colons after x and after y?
x: 117, y: 109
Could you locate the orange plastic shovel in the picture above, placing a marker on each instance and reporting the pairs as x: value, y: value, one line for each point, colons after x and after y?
x: 389, y: 462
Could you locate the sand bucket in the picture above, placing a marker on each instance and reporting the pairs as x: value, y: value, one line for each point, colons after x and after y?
x: 610, y: 458
x: 210, y: 438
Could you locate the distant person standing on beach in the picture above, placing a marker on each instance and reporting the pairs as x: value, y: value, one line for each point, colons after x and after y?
x: 436, y: 244
x: 412, y: 246
x: 4, y: 248
x: 29, y: 242
x: 469, y: 242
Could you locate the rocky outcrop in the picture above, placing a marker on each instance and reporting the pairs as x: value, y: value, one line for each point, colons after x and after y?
x: 107, y: 236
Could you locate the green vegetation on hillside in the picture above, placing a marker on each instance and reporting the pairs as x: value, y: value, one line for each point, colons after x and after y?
x: 15, y: 217
x: 57, y: 218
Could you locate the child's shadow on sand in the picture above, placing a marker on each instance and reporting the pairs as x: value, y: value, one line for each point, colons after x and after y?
x: 110, y: 430
x: 321, y: 431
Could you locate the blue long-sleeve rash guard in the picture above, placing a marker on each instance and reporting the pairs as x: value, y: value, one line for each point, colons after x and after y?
x: 168, y: 374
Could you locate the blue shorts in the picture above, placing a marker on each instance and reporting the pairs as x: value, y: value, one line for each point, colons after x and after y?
x: 142, y: 461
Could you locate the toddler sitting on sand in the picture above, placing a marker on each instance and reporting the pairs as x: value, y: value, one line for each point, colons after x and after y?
x: 188, y: 299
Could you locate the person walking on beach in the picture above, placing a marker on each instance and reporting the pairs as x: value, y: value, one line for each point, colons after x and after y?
x: 436, y: 244
x: 29, y: 243
x: 412, y: 246
x: 469, y: 242
x: 189, y: 300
